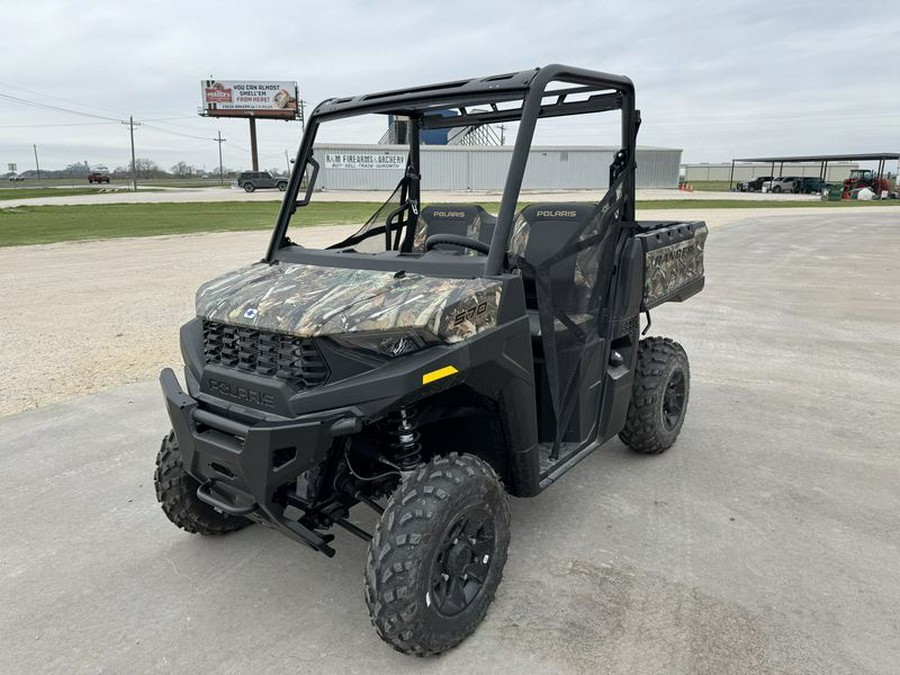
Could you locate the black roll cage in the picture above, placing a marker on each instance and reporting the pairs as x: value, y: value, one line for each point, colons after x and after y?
x: 605, y: 92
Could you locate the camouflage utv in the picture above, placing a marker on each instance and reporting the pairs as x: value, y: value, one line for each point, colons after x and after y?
x: 433, y: 361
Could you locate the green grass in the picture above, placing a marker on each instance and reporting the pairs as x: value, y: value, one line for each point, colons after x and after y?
x: 183, y: 183
x: 711, y: 185
x: 45, y: 224
x: 754, y: 204
x: 33, y: 193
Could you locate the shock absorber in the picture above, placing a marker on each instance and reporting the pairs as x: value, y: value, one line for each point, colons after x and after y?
x: 406, y: 449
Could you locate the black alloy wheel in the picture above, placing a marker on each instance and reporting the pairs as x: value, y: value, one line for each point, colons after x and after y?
x: 674, y: 400
x: 462, y: 563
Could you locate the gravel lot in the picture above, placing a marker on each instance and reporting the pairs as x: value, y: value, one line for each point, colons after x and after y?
x: 765, y: 541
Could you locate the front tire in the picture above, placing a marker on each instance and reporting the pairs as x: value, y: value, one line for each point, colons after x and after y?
x: 176, y: 492
x: 282, y: 186
x: 437, y: 556
x: 659, y: 396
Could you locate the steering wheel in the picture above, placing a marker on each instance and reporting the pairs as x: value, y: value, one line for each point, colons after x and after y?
x: 456, y: 240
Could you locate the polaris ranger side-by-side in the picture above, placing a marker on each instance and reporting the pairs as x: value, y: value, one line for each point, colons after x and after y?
x: 433, y: 361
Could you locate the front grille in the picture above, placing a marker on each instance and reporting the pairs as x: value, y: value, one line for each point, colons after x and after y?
x: 287, y: 357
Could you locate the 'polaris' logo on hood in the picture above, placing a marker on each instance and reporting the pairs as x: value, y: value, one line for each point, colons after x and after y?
x: 556, y: 214
x: 245, y: 394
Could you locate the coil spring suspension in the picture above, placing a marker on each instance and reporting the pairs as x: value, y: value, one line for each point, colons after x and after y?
x: 406, y: 449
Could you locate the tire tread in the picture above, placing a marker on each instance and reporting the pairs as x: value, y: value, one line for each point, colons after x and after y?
x: 393, y: 570
x: 643, y: 432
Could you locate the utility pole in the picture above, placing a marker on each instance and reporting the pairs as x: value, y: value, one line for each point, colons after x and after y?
x: 36, y: 162
x: 502, y: 134
x: 131, y: 124
x: 302, y: 115
x: 254, y: 154
x: 287, y: 161
x: 220, y: 140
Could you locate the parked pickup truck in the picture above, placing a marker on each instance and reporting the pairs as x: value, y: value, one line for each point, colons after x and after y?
x: 753, y: 185
x: 781, y: 184
x: 810, y: 185
x: 98, y: 177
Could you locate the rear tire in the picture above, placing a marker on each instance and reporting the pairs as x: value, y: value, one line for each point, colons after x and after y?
x: 176, y: 492
x: 659, y: 396
x: 437, y: 556
x: 249, y: 187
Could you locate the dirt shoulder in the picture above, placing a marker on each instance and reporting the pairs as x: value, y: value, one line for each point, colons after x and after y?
x: 79, y: 317
x: 215, y: 194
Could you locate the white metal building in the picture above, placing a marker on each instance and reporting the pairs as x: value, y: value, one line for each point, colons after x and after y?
x: 461, y: 167
x: 693, y: 173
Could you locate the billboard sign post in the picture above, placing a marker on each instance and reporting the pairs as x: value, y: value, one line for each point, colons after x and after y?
x: 251, y: 99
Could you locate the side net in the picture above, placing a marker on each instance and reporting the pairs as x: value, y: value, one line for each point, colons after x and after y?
x: 373, y: 237
x: 570, y: 287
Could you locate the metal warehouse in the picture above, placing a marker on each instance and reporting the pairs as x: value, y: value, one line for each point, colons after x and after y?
x: 465, y: 167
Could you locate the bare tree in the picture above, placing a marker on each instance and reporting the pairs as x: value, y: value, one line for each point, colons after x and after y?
x: 183, y: 169
x: 147, y: 168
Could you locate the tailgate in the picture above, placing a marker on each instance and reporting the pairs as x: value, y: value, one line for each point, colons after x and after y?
x: 673, y: 260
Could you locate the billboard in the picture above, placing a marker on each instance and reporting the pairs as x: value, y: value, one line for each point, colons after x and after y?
x: 249, y: 98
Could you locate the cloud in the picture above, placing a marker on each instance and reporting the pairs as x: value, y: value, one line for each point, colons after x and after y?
x: 716, y: 79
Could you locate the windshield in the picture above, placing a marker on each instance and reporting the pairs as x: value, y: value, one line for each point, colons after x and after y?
x: 364, y: 161
x: 360, y: 189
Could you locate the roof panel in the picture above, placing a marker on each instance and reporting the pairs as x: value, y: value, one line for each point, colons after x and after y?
x: 861, y: 157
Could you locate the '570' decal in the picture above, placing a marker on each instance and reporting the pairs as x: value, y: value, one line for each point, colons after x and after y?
x: 469, y: 314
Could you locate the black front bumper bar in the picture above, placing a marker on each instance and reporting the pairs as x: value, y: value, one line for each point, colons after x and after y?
x: 241, y: 466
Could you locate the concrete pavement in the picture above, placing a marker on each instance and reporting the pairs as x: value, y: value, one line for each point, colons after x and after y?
x: 764, y: 541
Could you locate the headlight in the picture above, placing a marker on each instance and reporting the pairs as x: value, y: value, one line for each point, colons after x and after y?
x: 391, y: 343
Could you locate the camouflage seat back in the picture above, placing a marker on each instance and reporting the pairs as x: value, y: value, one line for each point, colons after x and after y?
x: 464, y: 220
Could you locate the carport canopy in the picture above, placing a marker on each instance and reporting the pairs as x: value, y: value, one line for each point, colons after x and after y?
x: 880, y: 157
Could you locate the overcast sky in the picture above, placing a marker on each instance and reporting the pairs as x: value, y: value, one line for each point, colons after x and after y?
x: 719, y: 80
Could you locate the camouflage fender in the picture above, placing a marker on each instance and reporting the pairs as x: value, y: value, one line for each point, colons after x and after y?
x: 308, y: 301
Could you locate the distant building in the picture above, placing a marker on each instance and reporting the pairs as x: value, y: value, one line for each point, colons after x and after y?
x: 696, y: 173
x: 470, y: 167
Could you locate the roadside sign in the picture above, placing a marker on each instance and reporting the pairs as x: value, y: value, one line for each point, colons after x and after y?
x: 231, y: 98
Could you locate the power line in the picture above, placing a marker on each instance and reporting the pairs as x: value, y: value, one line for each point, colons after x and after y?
x: 59, y: 98
x: 163, y: 119
x: 61, y: 124
x: 55, y: 108
x: 175, y: 133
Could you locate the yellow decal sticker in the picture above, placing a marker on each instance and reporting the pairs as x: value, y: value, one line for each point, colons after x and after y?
x: 446, y: 371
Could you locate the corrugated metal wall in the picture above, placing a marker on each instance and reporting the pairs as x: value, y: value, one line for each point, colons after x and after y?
x: 485, y: 168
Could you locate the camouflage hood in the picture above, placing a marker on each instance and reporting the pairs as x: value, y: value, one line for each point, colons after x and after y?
x: 307, y: 301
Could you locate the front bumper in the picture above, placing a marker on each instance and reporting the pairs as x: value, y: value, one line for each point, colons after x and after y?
x: 241, y: 466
